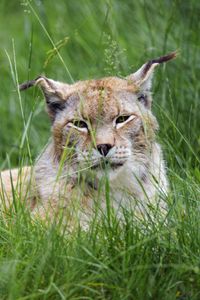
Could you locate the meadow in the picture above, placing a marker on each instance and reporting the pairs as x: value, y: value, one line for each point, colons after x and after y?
x: 75, y: 40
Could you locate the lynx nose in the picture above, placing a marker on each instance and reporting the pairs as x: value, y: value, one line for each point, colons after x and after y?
x: 104, y: 148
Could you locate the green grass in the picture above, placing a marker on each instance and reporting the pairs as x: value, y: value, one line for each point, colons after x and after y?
x: 137, y: 260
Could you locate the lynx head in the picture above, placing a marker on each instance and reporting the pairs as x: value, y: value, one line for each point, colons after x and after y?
x: 104, y: 123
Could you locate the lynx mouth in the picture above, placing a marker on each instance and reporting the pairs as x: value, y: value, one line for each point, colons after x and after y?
x: 108, y: 165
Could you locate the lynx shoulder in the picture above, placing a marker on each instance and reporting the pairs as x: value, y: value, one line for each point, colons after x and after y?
x: 102, y: 131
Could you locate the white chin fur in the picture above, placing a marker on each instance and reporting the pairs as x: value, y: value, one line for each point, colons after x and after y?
x: 111, y: 173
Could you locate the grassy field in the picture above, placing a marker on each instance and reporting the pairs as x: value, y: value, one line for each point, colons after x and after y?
x: 141, y: 259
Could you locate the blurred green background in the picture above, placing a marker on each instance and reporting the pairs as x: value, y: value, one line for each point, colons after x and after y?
x: 95, y: 39
x: 147, y: 260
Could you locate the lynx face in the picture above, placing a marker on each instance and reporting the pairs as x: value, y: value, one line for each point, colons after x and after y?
x: 103, y: 124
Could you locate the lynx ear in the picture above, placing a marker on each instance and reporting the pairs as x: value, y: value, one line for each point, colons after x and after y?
x: 143, y: 77
x: 54, y: 92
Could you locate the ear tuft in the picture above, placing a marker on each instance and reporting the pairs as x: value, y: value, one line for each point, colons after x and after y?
x: 157, y: 61
x: 26, y: 85
x: 142, y: 77
x: 54, y: 91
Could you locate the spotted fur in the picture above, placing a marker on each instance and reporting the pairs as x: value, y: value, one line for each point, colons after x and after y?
x: 101, y: 129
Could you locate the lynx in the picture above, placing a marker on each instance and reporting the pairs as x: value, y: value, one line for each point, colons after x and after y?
x: 103, y: 141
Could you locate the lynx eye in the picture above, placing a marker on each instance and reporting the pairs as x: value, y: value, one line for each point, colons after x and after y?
x: 79, y: 125
x: 122, y: 119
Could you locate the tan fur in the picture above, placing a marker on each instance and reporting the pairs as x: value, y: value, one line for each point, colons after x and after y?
x: 71, y: 172
x: 14, y: 183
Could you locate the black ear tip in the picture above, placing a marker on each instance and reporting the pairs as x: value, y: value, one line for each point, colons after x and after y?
x: 165, y: 58
x: 26, y: 85
x: 160, y: 60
